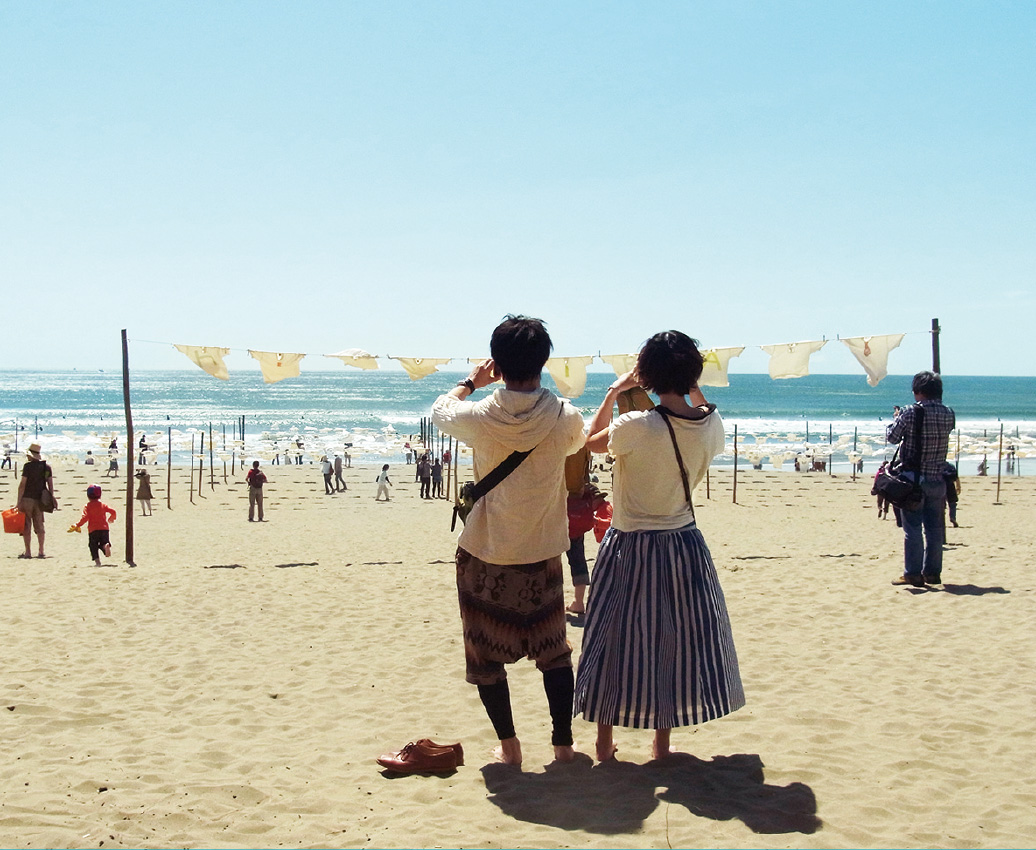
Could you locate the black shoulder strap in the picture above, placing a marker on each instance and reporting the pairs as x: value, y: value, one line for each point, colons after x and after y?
x: 679, y: 458
x: 508, y: 465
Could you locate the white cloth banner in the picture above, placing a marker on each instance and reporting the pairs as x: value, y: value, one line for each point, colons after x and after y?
x: 356, y: 357
x: 421, y: 367
x: 569, y: 373
x: 714, y: 374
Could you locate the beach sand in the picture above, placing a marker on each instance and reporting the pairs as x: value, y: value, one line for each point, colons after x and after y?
x: 235, y: 687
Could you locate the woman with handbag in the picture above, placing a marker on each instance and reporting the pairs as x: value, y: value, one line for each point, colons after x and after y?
x: 35, y: 497
x: 657, y: 650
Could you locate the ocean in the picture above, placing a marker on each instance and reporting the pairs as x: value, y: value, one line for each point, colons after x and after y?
x: 72, y: 412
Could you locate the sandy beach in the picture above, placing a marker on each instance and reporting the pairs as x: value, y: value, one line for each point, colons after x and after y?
x: 235, y: 686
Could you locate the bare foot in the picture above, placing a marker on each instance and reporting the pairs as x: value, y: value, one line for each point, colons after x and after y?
x: 509, y: 752
x: 606, y: 752
x: 575, y: 608
x: 564, y: 753
x: 660, y: 747
x: 661, y: 754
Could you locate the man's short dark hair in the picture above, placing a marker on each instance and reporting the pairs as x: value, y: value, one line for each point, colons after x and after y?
x: 670, y: 362
x: 928, y: 385
x: 520, y: 347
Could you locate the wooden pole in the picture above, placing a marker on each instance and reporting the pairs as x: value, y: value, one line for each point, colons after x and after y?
x: 708, y: 488
x: 735, y: 464
x: 999, y: 463
x: 169, y: 472
x: 212, y: 466
x: 191, y: 476
x: 201, y: 460
x: 935, y: 347
x: 129, y: 449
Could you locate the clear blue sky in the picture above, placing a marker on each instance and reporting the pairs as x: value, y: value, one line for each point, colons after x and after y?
x: 397, y: 176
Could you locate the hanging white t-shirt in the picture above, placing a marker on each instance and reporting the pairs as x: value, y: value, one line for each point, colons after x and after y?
x: 356, y: 357
x: 420, y: 367
x: 208, y: 357
x: 276, y: 366
x: 621, y: 363
x: 791, y: 359
x: 872, y: 353
x: 569, y: 373
x: 714, y: 374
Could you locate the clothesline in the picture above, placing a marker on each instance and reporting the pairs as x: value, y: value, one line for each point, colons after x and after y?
x: 787, y: 360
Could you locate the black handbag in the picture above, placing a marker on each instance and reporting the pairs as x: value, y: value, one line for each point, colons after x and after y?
x: 892, y: 485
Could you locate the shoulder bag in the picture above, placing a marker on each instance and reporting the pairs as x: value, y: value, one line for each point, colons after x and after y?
x: 896, y: 488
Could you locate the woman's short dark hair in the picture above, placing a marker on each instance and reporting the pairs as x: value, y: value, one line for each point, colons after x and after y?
x: 670, y: 362
x: 927, y: 384
x: 520, y: 347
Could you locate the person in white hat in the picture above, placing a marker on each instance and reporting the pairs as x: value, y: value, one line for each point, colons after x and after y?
x: 36, y: 478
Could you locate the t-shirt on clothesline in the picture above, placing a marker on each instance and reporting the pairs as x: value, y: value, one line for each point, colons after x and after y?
x: 787, y: 360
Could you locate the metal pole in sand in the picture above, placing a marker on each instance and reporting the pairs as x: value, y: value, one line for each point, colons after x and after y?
x: 201, y: 460
x: 129, y: 449
x: 212, y: 467
x: 190, y: 476
x: 735, y: 464
x: 999, y: 463
x: 169, y: 472
x: 935, y: 346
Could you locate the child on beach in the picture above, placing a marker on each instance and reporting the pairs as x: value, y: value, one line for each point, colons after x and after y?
x: 383, y: 484
x: 96, y: 516
x: 144, y: 495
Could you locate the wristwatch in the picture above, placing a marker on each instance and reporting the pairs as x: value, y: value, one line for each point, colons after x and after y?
x: 467, y: 382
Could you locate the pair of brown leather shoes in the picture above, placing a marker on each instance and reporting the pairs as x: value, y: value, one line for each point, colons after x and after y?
x: 424, y: 756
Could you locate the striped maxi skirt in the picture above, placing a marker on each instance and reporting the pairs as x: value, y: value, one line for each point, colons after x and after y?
x: 658, y: 652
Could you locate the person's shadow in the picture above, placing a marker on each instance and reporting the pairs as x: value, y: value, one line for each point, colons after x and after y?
x: 617, y: 797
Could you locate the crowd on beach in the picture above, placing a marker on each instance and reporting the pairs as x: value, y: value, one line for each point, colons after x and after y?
x: 658, y: 649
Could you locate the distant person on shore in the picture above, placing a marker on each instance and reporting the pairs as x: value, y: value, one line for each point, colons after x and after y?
x: 952, y: 491
x: 437, y: 479
x: 255, y: 479
x: 37, y: 477
x: 658, y: 651
x: 144, y: 491
x: 509, y: 576
x: 299, y: 448
x: 96, y: 516
x: 113, y: 463
x: 8, y: 451
x: 383, y: 484
x: 923, y: 529
x: 883, y: 503
x: 327, y: 469
x: 424, y: 473
x: 339, y: 481
x: 347, y: 458
x: 90, y: 460
x: 142, y: 447
x: 409, y: 453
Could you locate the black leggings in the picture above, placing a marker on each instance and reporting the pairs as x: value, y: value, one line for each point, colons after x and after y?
x: 559, y: 685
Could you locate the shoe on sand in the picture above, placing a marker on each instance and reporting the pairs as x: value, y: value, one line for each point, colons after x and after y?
x: 912, y: 581
x: 418, y: 757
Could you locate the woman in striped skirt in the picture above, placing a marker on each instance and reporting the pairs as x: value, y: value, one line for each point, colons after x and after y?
x: 657, y: 649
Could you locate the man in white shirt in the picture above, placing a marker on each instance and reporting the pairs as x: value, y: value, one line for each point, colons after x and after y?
x: 509, y: 575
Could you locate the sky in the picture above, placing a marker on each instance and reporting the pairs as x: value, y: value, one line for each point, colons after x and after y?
x: 398, y: 176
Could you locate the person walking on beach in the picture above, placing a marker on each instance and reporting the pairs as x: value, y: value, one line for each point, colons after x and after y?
x: 327, y: 470
x: 509, y: 575
x: 383, y: 484
x: 658, y: 651
x: 924, y: 447
x: 96, y: 515
x: 37, y: 478
x: 143, y: 491
x: 255, y: 479
x: 339, y: 481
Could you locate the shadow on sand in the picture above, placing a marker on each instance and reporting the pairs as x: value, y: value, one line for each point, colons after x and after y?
x: 617, y: 797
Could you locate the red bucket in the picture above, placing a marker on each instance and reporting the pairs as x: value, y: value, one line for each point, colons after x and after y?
x: 14, y: 521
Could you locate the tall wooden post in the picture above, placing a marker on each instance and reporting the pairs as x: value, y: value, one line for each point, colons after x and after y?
x: 999, y: 463
x: 935, y: 347
x: 169, y: 471
x: 212, y: 467
x: 129, y: 449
